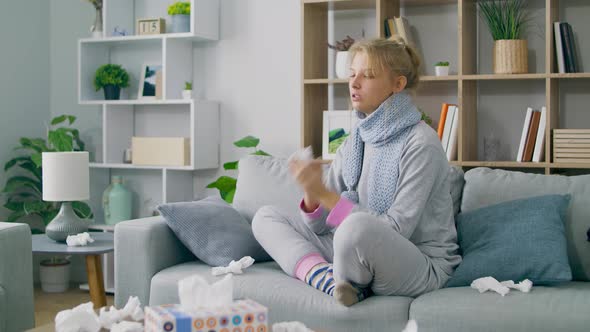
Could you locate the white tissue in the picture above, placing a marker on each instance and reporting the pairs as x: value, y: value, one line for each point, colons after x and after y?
x: 488, y: 283
x: 132, y: 310
x: 194, y: 292
x: 126, y: 326
x: 302, y: 154
x: 79, y: 319
x: 233, y: 267
x: 290, y: 327
x: 412, y: 326
x: 81, y: 239
x: 524, y: 286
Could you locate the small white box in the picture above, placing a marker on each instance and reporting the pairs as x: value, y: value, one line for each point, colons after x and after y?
x: 160, y: 151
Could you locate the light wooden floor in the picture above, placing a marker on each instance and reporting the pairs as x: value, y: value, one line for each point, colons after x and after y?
x: 47, y: 305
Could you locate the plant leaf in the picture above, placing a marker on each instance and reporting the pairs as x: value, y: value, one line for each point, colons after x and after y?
x: 224, y: 184
x: 230, y: 165
x: 19, y: 182
x: 36, y: 207
x: 260, y: 153
x: 82, y: 210
x: 60, y: 139
x: 14, y: 161
x: 58, y: 120
x: 71, y: 119
x: 36, y: 158
x: 229, y: 197
x: 14, y: 206
x: 247, y: 142
x: 35, y: 144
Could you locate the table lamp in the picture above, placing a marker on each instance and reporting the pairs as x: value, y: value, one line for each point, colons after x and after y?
x: 65, y: 179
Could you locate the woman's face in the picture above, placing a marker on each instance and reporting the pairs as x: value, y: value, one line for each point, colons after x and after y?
x: 367, y: 92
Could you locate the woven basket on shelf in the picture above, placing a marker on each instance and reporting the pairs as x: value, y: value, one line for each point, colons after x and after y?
x: 510, y: 56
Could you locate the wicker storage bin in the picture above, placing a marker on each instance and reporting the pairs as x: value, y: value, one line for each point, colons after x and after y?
x: 510, y: 56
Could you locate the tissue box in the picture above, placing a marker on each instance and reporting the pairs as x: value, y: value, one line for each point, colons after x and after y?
x: 242, y: 315
x: 160, y: 151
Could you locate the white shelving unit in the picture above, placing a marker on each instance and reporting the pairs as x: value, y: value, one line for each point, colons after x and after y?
x: 170, y: 116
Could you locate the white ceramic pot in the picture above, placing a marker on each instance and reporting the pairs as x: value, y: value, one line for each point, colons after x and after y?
x: 55, y: 276
x: 441, y: 70
x: 342, y: 64
x: 187, y: 94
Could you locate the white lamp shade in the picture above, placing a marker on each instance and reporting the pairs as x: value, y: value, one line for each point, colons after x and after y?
x: 65, y: 176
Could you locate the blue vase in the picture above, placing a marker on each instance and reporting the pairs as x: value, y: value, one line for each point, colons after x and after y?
x: 116, y: 202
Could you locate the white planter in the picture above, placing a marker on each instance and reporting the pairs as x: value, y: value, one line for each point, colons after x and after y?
x: 54, y: 278
x: 187, y: 94
x: 342, y: 64
x: 441, y: 70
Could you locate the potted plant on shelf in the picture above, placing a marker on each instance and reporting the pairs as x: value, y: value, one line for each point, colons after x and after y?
x: 342, y: 60
x: 22, y: 192
x: 506, y: 21
x: 441, y: 68
x: 227, y: 184
x: 111, y: 78
x: 181, y: 14
x: 187, y: 93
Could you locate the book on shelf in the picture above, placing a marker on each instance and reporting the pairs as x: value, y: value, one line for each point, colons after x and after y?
x: 389, y: 27
x: 451, y: 110
x: 402, y: 28
x: 569, y: 48
x: 529, y: 146
x: 452, y: 146
x: 441, y: 122
x: 523, y: 136
x: 538, y: 153
x: 559, y: 48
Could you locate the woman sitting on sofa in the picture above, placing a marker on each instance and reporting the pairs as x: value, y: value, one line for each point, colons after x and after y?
x: 381, y: 220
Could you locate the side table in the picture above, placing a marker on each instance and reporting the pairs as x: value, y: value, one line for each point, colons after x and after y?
x: 103, y: 243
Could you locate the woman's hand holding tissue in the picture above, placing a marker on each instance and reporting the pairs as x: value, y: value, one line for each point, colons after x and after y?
x: 308, y: 174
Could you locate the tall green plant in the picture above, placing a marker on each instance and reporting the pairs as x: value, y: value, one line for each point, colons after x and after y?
x: 24, y: 191
x: 506, y: 19
x: 227, y: 184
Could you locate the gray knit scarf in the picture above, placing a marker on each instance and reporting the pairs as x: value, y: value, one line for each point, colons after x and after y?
x: 386, y: 129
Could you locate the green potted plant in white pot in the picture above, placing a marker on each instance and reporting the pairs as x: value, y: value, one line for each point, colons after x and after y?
x: 342, y: 56
x: 187, y: 93
x: 441, y: 68
x: 507, y: 20
x: 111, y: 78
x: 181, y: 15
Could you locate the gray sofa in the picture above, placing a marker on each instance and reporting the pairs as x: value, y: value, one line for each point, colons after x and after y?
x: 17, y: 312
x: 150, y: 261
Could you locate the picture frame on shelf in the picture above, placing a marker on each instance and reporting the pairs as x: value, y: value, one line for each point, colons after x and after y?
x: 150, y: 81
x: 337, y: 125
x: 151, y: 26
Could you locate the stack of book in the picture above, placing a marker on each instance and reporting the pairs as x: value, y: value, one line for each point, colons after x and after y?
x: 448, y: 129
x: 532, y: 139
x: 565, y: 48
x: 398, y: 26
x: 571, y: 145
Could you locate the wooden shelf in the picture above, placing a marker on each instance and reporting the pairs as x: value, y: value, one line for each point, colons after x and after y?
x: 326, y: 81
x: 147, y: 38
x: 504, y: 77
x: 507, y: 164
x: 343, y: 4
x: 570, y: 165
x: 570, y: 75
x: 439, y: 78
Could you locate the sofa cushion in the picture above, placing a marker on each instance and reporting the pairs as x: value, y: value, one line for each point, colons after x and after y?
x: 456, y: 182
x: 484, y: 186
x: 213, y: 231
x: 558, y: 308
x: 289, y: 299
x: 515, y: 240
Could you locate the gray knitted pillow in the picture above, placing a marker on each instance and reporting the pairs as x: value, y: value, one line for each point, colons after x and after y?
x: 213, y: 231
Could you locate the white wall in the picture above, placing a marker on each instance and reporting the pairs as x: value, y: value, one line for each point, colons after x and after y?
x: 25, y: 75
x: 254, y: 70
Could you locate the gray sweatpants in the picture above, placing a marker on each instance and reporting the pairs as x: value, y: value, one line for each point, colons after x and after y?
x: 364, y: 250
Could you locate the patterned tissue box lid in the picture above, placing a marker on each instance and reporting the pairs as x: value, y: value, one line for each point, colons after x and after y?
x: 241, y: 316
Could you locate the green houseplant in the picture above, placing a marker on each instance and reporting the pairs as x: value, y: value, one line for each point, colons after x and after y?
x: 111, y: 78
x: 187, y: 93
x: 180, y: 12
x: 227, y: 184
x: 23, y: 190
x: 441, y: 68
x: 507, y: 20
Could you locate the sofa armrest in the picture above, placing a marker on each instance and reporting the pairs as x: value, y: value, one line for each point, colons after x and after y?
x: 16, y: 277
x: 143, y: 247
